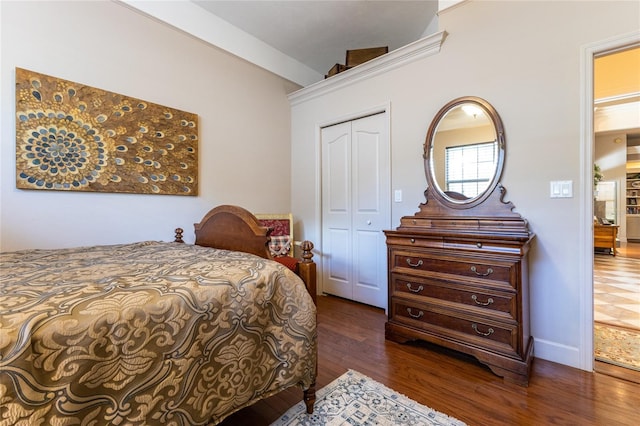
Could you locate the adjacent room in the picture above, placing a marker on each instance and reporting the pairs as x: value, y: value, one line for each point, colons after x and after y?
x: 292, y: 212
x: 616, y: 215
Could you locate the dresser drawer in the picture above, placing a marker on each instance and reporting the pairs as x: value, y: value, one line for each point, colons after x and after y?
x: 462, y: 245
x: 481, y: 301
x: 408, y: 262
x: 490, y: 335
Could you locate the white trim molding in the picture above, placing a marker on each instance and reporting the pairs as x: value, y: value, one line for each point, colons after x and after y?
x: 448, y: 4
x: 419, y: 49
x: 616, y: 117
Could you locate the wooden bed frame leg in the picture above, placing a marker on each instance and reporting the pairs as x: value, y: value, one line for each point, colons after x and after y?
x: 307, y: 269
x: 310, y: 398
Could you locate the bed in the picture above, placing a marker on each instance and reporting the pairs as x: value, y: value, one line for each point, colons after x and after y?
x: 155, y: 332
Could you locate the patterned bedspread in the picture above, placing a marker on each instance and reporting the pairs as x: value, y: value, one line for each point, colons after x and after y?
x: 148, y: 333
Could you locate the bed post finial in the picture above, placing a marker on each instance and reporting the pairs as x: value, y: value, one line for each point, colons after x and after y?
x: 306, y: 247
x: 178, y: 237
x: 307, y: 269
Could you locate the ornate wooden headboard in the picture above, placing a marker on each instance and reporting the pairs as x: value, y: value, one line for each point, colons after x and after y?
x: 233, y: 228
x: 230, y: 227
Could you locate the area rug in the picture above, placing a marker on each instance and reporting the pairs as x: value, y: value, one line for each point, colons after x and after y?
x: 355, y: 399
x: 617, y: 345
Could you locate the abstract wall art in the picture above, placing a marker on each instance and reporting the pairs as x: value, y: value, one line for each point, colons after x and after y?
x: 73, y: 137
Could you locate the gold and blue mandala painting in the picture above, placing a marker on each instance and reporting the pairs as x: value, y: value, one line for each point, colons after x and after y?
x: 73, y: 137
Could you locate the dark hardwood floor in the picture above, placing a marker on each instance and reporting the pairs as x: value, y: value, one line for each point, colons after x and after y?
x: 351, y: 336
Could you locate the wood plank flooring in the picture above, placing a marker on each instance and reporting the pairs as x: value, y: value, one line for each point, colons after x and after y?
x: 629, y: 250
x: 351, y: 336
x: 616, y: 290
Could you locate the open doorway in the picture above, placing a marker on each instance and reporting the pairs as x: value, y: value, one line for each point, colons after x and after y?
x: 616, y: 262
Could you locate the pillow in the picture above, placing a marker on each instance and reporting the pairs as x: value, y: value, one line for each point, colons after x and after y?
x: 289, y: 262
x: 280, y: 245
x: 278, y: 227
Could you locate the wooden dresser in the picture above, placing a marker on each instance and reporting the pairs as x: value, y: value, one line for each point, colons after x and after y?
x: 458, y: 268
x: 604, y: 237
x: 465, y: 291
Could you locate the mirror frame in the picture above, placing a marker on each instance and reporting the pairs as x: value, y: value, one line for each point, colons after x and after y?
x: 500, y: 139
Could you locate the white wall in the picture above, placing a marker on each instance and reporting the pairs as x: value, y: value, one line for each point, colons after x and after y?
x: 244, y: 122
x: 524, y: 58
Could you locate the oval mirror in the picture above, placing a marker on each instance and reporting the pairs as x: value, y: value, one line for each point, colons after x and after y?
x: 464, y: 152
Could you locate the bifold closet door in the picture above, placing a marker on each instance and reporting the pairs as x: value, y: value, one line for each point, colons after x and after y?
x: 356, y: 209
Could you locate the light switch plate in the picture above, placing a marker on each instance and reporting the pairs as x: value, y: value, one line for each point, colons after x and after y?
x: 561, y: 189
x: 397, y: 196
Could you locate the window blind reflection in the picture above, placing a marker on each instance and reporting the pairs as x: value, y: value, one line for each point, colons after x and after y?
x: 470, y: 168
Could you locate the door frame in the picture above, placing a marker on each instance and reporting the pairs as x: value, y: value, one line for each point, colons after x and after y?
x: 385, y: 109
x: 587, y: 55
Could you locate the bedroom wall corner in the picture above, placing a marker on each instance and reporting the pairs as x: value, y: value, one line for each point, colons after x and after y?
x: 244, y: 122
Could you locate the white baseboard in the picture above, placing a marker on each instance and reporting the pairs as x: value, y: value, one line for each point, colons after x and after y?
x: 556, y: 352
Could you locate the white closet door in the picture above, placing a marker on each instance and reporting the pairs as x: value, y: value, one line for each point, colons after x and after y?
x: 336, y: 210
x: 371, y: 201
x: 356, y: 209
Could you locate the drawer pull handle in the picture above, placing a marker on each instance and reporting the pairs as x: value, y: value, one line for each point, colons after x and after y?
x: 414, y: 265
x: 418, y: 290
x: 418, y: 315
x: 475, y: 327
x: 475, y: 299
x: 489, y: 272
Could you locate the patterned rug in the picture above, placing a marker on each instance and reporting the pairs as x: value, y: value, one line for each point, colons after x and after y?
x: 355, y: 399
x: 617, y: 345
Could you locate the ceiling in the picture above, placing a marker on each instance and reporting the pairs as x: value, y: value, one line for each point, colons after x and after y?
x: 617, y: 87
x: 616, y: 76
x: 318, y: 33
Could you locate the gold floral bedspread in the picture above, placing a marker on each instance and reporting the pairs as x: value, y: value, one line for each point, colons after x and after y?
x: 148, y: 333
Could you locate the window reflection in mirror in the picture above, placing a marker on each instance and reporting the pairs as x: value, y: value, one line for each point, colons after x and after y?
x: 469, y: 168
x: 464, y: 153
